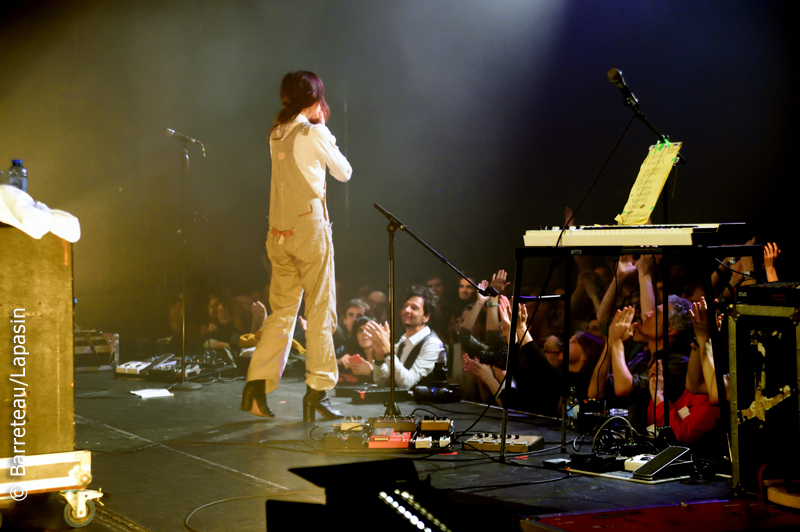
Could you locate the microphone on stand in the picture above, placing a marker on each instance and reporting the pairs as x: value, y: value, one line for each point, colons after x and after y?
x: 180, y: 136
x: 615, y: 77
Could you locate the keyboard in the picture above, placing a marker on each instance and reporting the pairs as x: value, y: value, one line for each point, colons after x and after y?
x: 634, y: 235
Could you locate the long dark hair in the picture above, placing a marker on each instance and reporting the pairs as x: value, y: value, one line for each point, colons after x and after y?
x: 299, y: 90
x: 351, y: 347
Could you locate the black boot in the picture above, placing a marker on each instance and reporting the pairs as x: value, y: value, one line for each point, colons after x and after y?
x: 254, y: 399
x: 317, y: 401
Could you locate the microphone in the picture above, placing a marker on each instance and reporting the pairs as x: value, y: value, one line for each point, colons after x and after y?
x: 615, y: 77
x: 180, y: 136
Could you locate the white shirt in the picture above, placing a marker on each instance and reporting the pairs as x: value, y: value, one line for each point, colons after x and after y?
x: 405, y: 379
x: 314, y: 152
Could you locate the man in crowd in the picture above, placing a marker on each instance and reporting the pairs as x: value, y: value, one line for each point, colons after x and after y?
x: 417, y: 350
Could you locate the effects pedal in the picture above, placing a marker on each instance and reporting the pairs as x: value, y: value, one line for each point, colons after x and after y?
x: 133, y: 367
x: 436, y: 424
x: 353, y: 424
x: 515, y: 443
x: 398, y: 423
x: 432, y: 442
x: 635, y: 462
x: 345, y: 440
x: 664, y: 464
x: 388, y: 438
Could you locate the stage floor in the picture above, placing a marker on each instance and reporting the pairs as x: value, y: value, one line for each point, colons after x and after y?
x: 160, y: 459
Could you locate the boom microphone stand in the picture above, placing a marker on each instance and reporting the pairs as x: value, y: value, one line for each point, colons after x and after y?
x: 394, y: 224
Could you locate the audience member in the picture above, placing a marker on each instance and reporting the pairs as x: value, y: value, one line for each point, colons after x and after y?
x: 358, y: 354
x: 378, y: 306
x: 418, y: 349
x: 354, y: 310
x: 466, y: 292
x: 539, y: 380
x: 628, y: 381
x: 210, y: 321
x: 690, y: 415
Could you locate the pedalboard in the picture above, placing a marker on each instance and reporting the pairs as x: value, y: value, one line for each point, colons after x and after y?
x: 515, y: 443
x: 398, y: 423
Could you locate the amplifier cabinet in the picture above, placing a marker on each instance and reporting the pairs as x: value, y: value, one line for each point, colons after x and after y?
x: 36, y: 374
x: 764, y: 382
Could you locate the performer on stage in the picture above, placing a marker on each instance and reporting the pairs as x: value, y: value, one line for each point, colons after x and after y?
x: 300, y: 248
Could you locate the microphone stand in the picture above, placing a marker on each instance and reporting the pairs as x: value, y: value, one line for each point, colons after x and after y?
x: 394, y: 224
x: 184, y: 386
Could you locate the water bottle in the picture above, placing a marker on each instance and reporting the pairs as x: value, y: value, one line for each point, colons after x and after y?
x: 572, y: 408
x: 18, y: 175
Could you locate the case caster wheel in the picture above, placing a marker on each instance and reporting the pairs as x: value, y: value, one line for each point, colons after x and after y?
x: 78, y: 522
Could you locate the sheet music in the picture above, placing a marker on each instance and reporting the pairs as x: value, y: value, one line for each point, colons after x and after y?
x: 652, y: 175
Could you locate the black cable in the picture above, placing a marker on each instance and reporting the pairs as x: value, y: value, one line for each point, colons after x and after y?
x: 170, y: 443
x: 487, y: 486
x: 267, y: 496
x: 596, y: 179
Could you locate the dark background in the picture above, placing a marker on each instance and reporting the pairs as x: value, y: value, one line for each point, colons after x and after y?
x: 470, y: 121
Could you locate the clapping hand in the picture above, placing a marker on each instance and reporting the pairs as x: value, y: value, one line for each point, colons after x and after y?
x: 504, y: 310
x: 657, y: 382
x: 380, y: 337
x: 481, y: 299
x: 480, y: 371
x: 699, y: 313
x: 621, y: 327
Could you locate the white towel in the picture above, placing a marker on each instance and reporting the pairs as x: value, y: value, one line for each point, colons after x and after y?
x: 18, y: 209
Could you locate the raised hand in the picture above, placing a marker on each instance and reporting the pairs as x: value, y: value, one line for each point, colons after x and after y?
x: 504, y: 310
x: 481, y: 299
x: 626, y: 266
x: 499, y: 281
x: 657, y: 383
x: 771, y: 254
x: 621, y: 327
x: 699, y: 313
x: 645, y: 264
x: 568, y: 215
x: 522, y: 319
